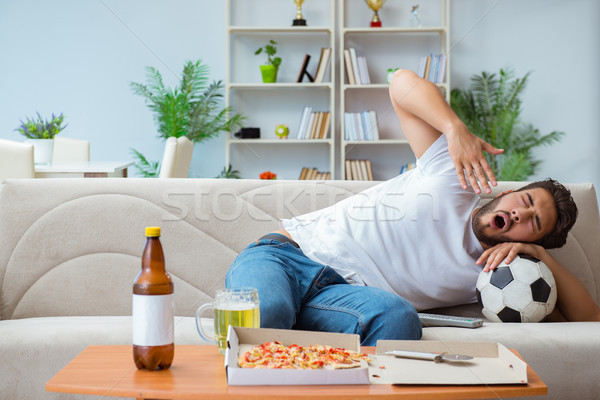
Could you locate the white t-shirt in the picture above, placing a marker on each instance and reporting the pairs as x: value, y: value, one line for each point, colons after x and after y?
x: 410, y: 235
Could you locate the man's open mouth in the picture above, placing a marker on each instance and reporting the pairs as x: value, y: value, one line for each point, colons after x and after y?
x: 500, y: 221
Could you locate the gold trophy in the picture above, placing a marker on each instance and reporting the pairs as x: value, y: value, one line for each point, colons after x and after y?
x: 375, y: 5
x: 299, y: 20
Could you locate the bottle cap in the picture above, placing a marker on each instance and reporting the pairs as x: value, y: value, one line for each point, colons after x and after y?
x: 152, y: 231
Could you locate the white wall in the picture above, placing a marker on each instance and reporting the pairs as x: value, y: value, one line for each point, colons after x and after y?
x: 78, y: 57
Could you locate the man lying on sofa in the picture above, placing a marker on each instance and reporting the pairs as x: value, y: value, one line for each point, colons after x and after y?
x: 417, y: 241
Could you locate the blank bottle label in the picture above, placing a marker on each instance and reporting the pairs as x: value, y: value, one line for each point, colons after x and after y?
x: 152, y: 320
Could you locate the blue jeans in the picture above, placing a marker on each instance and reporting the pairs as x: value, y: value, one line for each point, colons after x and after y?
x: 298, y: 293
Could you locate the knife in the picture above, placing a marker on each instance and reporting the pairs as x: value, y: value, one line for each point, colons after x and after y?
x: 435, y: 357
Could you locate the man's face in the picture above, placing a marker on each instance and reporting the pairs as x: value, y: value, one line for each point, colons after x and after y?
x: 525, y: 216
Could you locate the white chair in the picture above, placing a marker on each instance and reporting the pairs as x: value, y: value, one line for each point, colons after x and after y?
x: 177, y: 158
x: 16, y: 160
x: 70, y: 150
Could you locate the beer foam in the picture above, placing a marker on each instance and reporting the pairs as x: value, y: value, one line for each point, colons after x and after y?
x: 236, y: 307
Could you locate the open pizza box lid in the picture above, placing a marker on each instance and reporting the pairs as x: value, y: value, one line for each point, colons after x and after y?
x: 241, y: 339
x: 492, y: 364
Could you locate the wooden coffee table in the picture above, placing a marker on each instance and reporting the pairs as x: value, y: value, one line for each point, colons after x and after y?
x: 198, y: 372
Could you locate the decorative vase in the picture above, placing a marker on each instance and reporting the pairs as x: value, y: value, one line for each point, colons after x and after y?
x: 269, y: 73
x: 42, y: 150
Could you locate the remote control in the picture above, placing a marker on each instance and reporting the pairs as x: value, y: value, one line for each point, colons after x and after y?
x: 449, y: 320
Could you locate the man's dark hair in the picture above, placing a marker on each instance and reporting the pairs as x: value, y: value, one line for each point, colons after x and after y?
x: 566, y: 211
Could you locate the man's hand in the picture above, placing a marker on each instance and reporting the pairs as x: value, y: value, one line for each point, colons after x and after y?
x: 467, y: 155
x: 507, y: 252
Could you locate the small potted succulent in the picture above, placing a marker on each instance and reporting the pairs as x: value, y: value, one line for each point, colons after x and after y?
x: 40, y: 132
x: 269, y: 70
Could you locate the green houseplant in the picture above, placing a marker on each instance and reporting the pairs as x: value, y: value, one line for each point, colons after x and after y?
x: 40, y: 133
x: 491, y: 109
x: 193, y: 108
x: 229, y: 173
x: 269, y: 70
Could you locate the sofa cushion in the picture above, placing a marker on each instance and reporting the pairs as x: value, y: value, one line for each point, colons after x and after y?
x: 69, y: 243
x: 35, y: 349
x: 563, y: 354
x: 72, y: 246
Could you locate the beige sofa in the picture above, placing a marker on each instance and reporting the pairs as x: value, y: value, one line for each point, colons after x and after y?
x: 70, y: 250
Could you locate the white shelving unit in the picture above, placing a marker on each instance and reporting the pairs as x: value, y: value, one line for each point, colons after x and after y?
x: 395, y: 45
x: 250, y: 25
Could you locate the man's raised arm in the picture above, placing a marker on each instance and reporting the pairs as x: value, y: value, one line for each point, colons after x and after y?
x: 424, y: 115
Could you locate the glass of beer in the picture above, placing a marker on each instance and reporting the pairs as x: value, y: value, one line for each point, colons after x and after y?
x: 232, y: 306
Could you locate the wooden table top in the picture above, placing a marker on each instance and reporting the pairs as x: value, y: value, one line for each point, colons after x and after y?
x: 198, y: 372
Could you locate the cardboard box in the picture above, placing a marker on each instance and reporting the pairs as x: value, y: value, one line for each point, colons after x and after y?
x: 492, y: 364
x: 241, y: 339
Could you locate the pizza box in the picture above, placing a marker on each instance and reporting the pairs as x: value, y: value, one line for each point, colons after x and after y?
x: 241, y: 339
x: 492, y: 364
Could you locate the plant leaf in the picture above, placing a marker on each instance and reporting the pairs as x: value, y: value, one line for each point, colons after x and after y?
x: 148, y: 169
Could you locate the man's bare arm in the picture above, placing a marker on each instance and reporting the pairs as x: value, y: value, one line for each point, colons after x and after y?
x: 424, y: 115
x: 573, y: 303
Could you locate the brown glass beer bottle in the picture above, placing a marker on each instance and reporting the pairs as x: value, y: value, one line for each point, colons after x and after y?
x: 152, y: 328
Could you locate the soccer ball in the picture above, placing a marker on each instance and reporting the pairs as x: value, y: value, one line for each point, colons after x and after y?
x: 522, y: 291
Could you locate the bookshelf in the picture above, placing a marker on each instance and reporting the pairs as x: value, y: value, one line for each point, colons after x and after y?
x: 338, y: 25
x: 394, y: 45
x: 251, y: 24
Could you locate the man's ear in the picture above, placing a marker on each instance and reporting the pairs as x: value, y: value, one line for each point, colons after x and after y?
x: 505, y: 192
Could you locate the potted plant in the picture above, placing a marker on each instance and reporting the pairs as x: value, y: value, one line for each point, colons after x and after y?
x: 192, y: 108
x: 40, y: 132
x: 491, y: 109
x: 269, y: 70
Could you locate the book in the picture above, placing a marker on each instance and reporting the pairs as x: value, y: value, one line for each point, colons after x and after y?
x: 422, y: 63
x: 433, y: 68
x: 354, y: 61
x: 369, y: 170
x: 309, y: 173
x: 358, y: 170
x: 374, y: 125
x: 303, y: 173
x: 363, y: 170
x: 323, y: 64
x: 304, y: 122
x: 348, y: 170
x: 316, y: 125
x: 442, y: 72
x: 363, y: 71
x: 348, y: 64
x: 427, y: 67
x: 304, y: 71
x: 326, y: 125
x: 309, y: 126
x: 365, y: 120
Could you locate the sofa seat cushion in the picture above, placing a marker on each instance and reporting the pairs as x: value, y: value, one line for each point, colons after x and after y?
x: 553, y: 350
x: 35, y: 349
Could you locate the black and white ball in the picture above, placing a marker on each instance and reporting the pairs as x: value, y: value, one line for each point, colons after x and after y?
x: 522, y: 291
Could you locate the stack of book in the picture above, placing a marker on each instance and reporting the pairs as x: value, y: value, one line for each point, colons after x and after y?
x: 361, y: 126
x: 312, y: 173
x: 359, y: 170
x: 314, y: 124
x: 433, y: 68
x: 357, y: 72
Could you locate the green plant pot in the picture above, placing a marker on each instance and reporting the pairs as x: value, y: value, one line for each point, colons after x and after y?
x: 269, y: 73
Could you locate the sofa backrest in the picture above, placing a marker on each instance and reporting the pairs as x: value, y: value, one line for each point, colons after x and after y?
x: 73, y: 246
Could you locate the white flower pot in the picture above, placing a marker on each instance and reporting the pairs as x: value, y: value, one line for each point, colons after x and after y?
x: 42, y: 150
